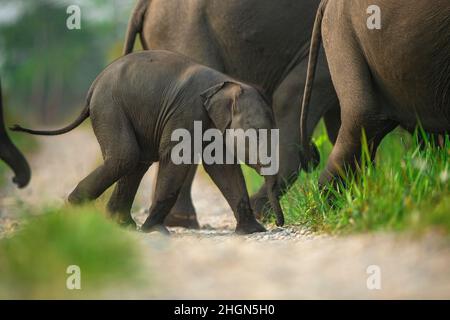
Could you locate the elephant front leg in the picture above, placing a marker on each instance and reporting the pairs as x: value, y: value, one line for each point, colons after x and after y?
x: 231, y: 183
x: 121, y: 201
x: 169, y: 182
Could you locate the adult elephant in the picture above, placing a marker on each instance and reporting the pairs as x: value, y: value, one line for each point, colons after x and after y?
x: 394, y: 75
x: 263, y: 42
x: 11, y: 155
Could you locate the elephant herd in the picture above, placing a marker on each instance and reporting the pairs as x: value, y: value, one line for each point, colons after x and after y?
x: 357, y: 79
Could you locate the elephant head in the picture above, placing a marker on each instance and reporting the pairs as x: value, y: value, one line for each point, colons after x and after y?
x: 11, y: 155
x: 234, y: 105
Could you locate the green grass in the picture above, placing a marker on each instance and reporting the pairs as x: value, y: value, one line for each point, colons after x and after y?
x: 252, y: 179
x: 407, y: 190
x: 34, y: 261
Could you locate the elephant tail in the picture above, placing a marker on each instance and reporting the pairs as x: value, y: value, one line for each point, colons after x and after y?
x: 135, y: 25
x: 83, y: 116
x: 316, y: 40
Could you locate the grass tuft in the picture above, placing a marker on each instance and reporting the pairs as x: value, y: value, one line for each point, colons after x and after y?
x: 34, y: 261
x: 406, y: 190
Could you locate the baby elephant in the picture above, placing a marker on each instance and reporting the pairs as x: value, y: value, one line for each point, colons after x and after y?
x: 137, y: 103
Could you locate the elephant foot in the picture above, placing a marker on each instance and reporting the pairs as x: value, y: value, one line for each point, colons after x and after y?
x: 184, y: 219
x: 122, y: 217
x: 249, y: 228
x: 147, y: 228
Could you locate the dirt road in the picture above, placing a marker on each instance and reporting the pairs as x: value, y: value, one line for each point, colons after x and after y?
x: 289, y: 263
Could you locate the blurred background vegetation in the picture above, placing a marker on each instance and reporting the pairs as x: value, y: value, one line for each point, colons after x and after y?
x: 45, y: 67
x: 34, y: 261
x: 46, y: 70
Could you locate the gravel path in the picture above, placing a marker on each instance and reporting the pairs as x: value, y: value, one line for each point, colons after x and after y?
x: 283, y: 263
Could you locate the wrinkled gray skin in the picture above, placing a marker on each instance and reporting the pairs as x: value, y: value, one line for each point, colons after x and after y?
x: 396, y: 76
x: 11, y: 155
x: 136, y: 104
x: 262, y: 42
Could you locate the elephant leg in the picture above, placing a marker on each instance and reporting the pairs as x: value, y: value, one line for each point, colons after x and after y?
x: 169, y: 182
x: 121, y: 201
x: 230, y: 181
x: 361, y: 109
x: 121, y: 155
x: 183, y: 213
x: 91, y: 187
x: 346, y: 153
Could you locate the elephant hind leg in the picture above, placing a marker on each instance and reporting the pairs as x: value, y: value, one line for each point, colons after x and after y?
x: 361, y: 116
x: 183, y: 212
x: 361, y: 108
x: 346, y: 154
x: 121, y: 201
x: 121, y: 154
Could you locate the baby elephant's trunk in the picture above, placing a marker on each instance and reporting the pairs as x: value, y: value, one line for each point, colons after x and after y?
x: 273, y: 195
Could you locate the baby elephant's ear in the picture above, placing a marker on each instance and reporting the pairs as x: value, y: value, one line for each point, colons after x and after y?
x: 219, y: 101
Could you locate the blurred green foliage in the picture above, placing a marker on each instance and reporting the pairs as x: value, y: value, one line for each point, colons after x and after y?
x: 47, y: 68
x: 34, y: 261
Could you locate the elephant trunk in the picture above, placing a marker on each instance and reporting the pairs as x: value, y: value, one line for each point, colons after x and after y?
x: 11, y: 155
x: 15, y: 160
x: 273, y: 195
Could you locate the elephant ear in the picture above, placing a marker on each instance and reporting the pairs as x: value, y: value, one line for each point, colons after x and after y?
x: 220, y: 102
